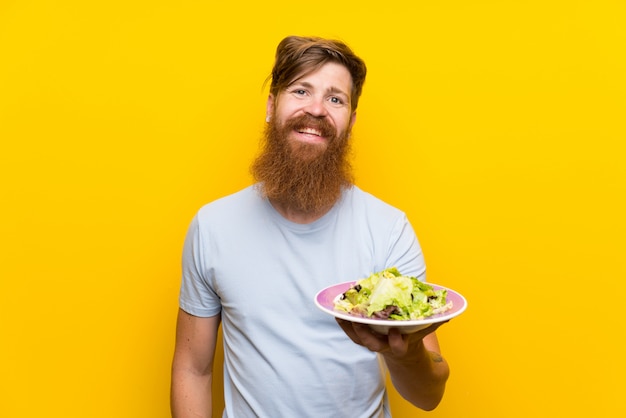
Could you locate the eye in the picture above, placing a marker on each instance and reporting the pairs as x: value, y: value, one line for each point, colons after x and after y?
x: 337, y: 100
x: 299, y: 92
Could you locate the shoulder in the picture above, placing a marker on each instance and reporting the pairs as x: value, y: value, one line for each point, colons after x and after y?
x: 229, y: 205
x: 359, y: 199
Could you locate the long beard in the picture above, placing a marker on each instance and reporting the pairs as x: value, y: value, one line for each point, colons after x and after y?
x: 305, y: 177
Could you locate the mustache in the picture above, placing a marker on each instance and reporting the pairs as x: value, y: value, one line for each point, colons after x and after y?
x: 307, y: 121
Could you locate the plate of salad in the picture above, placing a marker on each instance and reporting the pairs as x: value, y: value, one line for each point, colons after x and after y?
x: 387, y: 299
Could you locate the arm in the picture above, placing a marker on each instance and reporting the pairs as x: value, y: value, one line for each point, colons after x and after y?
x: 417, y: 369
x: 419, y: 372
x: 192, y: 367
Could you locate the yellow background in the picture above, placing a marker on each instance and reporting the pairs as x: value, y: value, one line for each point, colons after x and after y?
x: 498, y: 126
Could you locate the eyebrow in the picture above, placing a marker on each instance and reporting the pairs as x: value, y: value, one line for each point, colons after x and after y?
x: 332, y: 89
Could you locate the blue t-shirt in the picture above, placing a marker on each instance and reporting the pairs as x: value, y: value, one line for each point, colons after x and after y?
x: 282, y: 356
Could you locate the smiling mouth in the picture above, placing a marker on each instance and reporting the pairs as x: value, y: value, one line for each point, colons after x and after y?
x: 306, y: 128
x: 310, y: 131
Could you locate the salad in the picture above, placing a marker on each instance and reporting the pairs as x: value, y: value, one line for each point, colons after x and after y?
x: 390, y: 295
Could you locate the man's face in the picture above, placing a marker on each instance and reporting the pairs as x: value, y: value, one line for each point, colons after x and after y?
x: 315, y: 109
x: 304, y: 164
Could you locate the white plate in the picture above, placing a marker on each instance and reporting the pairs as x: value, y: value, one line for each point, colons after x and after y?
x: 325, y: 300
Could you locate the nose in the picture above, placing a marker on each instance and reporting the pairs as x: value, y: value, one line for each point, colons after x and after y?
x: 316, y: 107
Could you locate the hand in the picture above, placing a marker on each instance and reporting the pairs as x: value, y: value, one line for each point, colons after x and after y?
x: 395, y: 344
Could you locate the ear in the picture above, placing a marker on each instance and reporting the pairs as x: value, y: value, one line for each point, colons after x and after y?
x: 269, y: 110
x: 352, y: 120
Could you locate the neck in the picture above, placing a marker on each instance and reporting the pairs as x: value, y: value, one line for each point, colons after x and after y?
x: 296, y: 215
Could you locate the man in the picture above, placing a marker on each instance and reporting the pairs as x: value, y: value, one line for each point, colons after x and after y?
x: 254, y: 260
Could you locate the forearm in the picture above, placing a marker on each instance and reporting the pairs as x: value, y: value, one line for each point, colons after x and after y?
x: 191, y: 395
x: 192, y: 367
x: 421, y: 377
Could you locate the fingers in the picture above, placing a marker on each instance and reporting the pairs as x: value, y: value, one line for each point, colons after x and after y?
x: 398, y: 343
x: 346, y: 326
x: 363, y: 335
x: 394, y: 343
x: 370, y: 338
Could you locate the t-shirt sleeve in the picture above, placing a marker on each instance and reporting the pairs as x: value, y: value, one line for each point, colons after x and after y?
x: 405, y: 251
x: 197, y: 295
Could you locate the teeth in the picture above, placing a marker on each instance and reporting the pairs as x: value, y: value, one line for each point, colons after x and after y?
x: 311, y: 131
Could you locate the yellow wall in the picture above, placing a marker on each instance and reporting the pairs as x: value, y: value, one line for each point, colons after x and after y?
x: 498, y: 126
